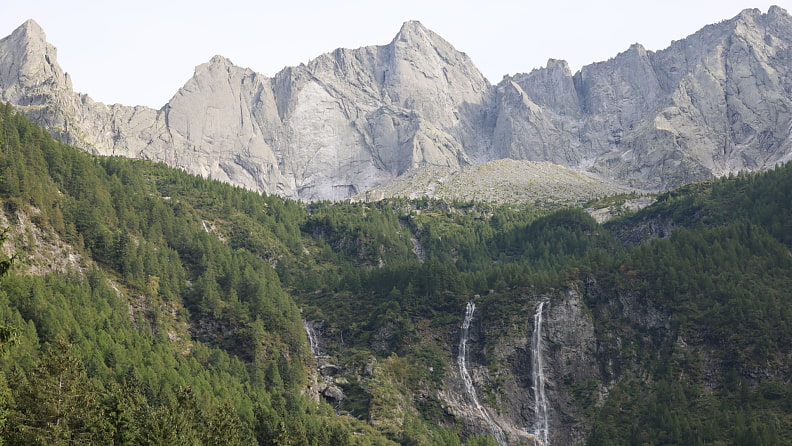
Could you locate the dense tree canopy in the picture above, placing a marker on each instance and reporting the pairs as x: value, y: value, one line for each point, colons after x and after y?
x: 180, y: 323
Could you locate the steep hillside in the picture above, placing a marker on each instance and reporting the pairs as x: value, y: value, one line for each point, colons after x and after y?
x: 125, y: 320
x: 687, y: 332
x: 189, y: 310
x: 713, y: 103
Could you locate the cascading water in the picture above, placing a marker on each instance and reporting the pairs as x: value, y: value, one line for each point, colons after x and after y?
x: 541, y: 428
x: 312, y: 341
x: 497, y: 433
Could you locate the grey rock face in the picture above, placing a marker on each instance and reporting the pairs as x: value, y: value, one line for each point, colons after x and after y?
x: 569, y: 352
x: 347, y: 121
x: 713, y: 103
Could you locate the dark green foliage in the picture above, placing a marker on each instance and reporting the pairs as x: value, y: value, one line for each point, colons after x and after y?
x: 759, y: 198
x: 56, y: 403
x: 184, y: 326
x: 481, y: 440
x: 105, y: 356
x: 724, y: 278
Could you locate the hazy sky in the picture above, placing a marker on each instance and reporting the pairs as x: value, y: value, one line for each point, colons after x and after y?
x: 142, y: 51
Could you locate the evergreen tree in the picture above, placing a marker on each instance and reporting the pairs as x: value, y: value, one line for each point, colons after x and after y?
x: 58, y: 405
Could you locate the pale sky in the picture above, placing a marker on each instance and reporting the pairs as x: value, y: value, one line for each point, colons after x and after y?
x: 141, y: 52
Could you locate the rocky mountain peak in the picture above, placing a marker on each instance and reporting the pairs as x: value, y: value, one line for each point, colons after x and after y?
x: 415, y: 38
x: 749, y: 14
x: 27, y: 34
x: 217, y: 66
x: 747, y: 22
x: 31, y: 30
x: 413, y: 31
x: 559, y: 65
x: 551, y: 86
x: 777, y: 11
x: 218, y: 71
x: 778, y: 17
x: 30, y: 41
x: 220, y: 60
x: 638, y: 49
x: 754, y: 21
x: 636, y: 53
x: 27, y: 63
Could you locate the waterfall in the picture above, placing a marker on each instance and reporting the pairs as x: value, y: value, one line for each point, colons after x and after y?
x: 312, y: 342
x: 541, y: 428
x: 497, y: 433
x: 418, y: 249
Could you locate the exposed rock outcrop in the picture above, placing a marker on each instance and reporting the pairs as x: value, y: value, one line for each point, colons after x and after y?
x: 501, y: 181
x: 501, y: 366
x: 323, y: 381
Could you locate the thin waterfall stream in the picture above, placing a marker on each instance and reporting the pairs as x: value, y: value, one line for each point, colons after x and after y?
x: 464, y: 336
x: 312, y: 341
x: 541, y: 427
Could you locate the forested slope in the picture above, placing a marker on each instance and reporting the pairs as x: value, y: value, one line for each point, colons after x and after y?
x: 164, y: 333
x: 722, y: 272
x: 170, y: 309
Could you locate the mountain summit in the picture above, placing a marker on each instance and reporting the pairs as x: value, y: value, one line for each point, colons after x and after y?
x: 713, y: 103
x: 413, y: 33
x: 28, y: 67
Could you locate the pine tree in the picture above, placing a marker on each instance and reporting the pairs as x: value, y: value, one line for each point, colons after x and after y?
x: 57, y: 404
x: 7, y: 337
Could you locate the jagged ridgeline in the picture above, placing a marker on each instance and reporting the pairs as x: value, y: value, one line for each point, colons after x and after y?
x: 415, y: 116
x: 174, y: 310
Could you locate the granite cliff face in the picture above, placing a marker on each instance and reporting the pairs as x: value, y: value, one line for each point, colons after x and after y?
x: 713, y: 103
x: 346, y: 122
x: 502, y: 369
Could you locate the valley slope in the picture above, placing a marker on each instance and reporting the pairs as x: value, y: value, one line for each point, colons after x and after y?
x: 173, y: 308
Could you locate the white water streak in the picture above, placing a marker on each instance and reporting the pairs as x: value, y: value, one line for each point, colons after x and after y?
x: 418, y: 249
x: 497, y: 433
x: 312, y: 342
x: 541, y: 428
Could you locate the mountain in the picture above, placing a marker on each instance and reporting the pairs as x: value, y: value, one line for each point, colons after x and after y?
x: 103, y: 336
x: 714, y: 103
x: 347, y: 121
